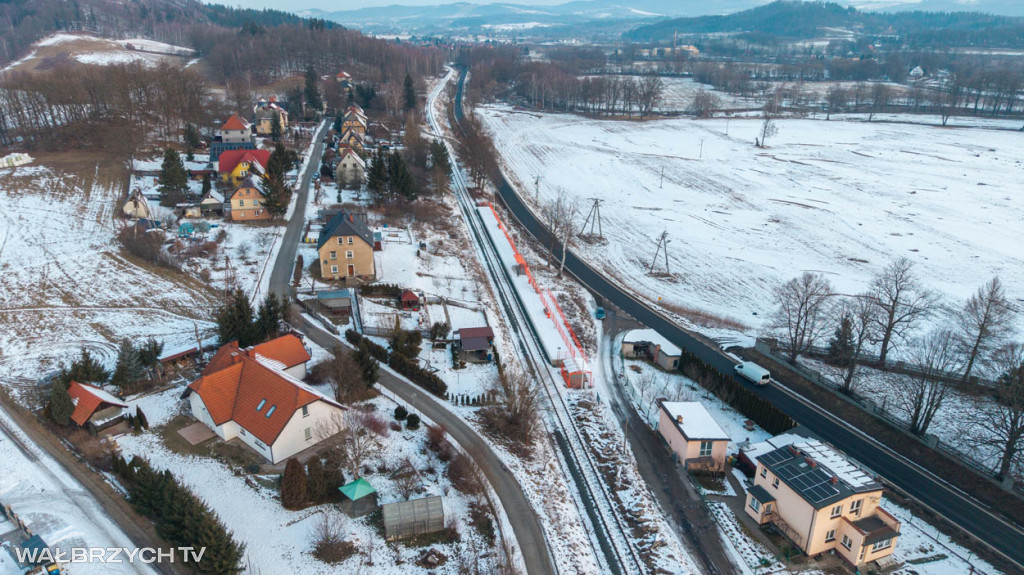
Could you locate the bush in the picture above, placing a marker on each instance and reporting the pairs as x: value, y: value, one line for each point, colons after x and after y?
x: 464, y: 475
x: 375, y: 423
x: 401, y: 413
x: 421, y: 377
x: 147, y: 246
x: 293, y: 485
x: 389, y: 290
x: 412, y: 422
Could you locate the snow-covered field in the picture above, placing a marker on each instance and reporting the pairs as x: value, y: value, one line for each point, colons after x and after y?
x: 841, y: 198
x: 89, y: 49
x: 64, y: 282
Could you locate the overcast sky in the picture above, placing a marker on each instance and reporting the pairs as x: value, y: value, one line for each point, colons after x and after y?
x: 334, y: 5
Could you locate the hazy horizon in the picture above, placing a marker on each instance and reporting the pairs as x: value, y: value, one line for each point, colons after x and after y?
x: 330, y: 6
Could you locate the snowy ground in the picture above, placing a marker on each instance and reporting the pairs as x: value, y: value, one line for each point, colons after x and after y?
x: 55, y: 506
x: 280, y: 541
x: 64, y: 282
x: 843, y: 198
x: 89, y: 49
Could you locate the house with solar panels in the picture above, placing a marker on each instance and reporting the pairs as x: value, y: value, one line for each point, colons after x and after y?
x: 823, y: 503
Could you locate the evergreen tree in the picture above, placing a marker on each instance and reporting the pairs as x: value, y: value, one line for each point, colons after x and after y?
x: 368, y: 364
x: 173, y: 180
x: 85, y: 369
x: 377, y: 179
x: 60, y: 407
x: 129, y: 368
x: 841, y: 346
x: 234, y: 320
x: 223, y: 554
x: 281, y: 160
x: 401, y: 413
x: 293, y: 485
x: 207, y: 184
x: 192, y: 139
x: 312, y: 91
x: 276, y: 129
x: 269, y: 317
x: 337, y: 123
x: 400, y: 179
x: 143, y: 422
x: 276, y: 194
x: 149, y: 353
x: 410, y: 92
x: 316, y: 481
x: 412, y: 422
x: 440, y: 158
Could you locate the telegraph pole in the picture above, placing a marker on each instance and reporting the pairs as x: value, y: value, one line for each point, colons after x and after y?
x: 594, y: 216
x: 662, y: 244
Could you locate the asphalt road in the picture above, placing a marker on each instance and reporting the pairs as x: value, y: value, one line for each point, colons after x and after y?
x: 526, y: 526
x: 921, y: 485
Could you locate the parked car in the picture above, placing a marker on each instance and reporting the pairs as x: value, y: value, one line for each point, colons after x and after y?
x: 599, y: 314
x: 755, y: 373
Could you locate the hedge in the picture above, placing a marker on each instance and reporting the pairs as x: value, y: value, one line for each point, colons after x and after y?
x: 410, y: 369
x: 752, y: 406
x: 391, y: 290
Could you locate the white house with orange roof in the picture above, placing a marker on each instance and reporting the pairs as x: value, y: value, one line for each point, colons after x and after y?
x: 252, y: 394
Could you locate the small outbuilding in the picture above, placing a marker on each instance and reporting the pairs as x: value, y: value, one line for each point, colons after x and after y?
x: 474, y: 344
x: 693, y: 435
x: 337, y: 301
x: 652, y: 346
x: 95, y: 409
x: 415, y: 517
x: 360, y: 498
x: 410, y: 301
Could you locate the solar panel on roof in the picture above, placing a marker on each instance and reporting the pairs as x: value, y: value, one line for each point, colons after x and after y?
x: 773, y: 457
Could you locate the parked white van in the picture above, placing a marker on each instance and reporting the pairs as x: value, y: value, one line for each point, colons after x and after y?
x: 753, y: 372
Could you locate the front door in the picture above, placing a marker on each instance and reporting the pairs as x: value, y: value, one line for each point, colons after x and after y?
x: 351, y: 270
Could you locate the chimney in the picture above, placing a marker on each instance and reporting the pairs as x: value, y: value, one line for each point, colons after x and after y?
x: 350, y: 218
x: 792, y: 450
x: 679, y: 419
x: 810, y: 462
x: 835, y: 480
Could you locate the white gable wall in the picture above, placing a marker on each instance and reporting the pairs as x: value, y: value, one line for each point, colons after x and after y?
x: 227, y: 431
x: 293, y: 437
x: 297, y: 371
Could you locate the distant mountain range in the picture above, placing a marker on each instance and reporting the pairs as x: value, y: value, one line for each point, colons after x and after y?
x: 510, y: 17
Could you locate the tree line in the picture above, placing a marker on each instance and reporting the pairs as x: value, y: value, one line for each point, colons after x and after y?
x: 965, y: 338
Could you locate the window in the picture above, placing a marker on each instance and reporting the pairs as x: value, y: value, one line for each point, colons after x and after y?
x: 349, y: 254
x: 705, y: 448
x: 243, y: 432
x: 883, y: 544
x: 847, y: 542
x: 341, y: 240
x: 764, y: 472
x: 271, y: 410
x: 309, y: 434
x: 350, y: 240
x: 755, y: 504
x: 837, y: 511
x: 775, y: 483
x: 855, y: 506
x: 305, y: 411
x: 334, y: 269
x: 262, y: 403
x: 241, y: 203
x: 830, y: 535
x: 255, y: 202
x: 334, y: 255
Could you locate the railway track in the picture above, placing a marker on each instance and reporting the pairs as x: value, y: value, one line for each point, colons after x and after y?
x: 616, y: 553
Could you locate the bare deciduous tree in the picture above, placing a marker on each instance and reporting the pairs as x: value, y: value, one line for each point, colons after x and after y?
x: 648, y: 93
x: 860, y: 313
x: 800, y: 311
x: 407, y: 480
x: 985, y: 321
x: 901, y: 301
x: 705, y: 103
x: 933, y: 357
x: 344, y: 375
x: 561, y: 215
x: 768, y: 128
x: 835, y: 99
x: 514, y: 417
x: 355, y: 443
x: 999, y: 423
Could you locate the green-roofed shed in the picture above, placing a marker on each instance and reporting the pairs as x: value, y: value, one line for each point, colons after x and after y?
x: 360, y: 498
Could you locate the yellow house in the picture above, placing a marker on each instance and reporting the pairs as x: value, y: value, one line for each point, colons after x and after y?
x: 246, y: 203
x: 353, y: 140
x: 234, y: 166
x: 345, y: 246
x: 821, y: 502
x: 354, y: 120
x: 693, y: 435
x: 263, y: 114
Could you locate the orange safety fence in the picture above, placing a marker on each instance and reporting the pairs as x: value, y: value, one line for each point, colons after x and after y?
x: 565, y: 331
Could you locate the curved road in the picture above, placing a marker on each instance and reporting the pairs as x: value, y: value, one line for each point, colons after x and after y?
x: 526, y: 526
x: 920, y: 484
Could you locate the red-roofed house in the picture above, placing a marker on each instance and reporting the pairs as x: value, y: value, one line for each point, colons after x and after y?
x: 234, y: 166
x: 245, y: 394
x: 93, y: 406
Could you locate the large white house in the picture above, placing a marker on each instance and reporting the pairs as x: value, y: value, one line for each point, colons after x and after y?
x: 254, y: 394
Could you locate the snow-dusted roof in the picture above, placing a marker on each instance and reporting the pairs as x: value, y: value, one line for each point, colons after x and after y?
x: 838, y: 464
x: 755, y: 450
x: 696, y: 422
x: 651, y: 336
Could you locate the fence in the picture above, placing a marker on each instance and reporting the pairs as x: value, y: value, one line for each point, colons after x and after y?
x: 765, y: 348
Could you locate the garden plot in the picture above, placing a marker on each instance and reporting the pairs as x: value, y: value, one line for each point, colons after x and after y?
x: 64, y: 283
x: 751, y: 555
x: 840, y: 198
x: 280, y: 541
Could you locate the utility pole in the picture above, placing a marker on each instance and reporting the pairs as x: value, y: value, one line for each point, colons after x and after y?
x: 701, y: 155
x: 595, y: 213
x: 662, y: 184
x: 662, y: 244
x: 536, y: 188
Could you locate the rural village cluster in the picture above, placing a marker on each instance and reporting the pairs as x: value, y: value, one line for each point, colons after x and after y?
x: 481, y: 305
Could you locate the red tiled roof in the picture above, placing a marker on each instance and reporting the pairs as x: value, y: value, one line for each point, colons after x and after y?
x: 235, y: 123
x: 229, y: 159
x: 88, y: 399
x: 409, y: 295
x: 287, y: 349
